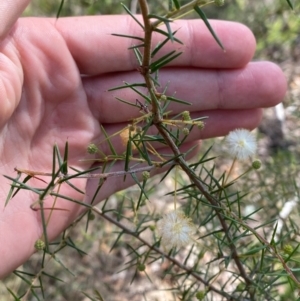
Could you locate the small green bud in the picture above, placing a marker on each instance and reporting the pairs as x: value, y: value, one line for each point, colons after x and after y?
x: 39, y: 245
x: 186, y: 116
x: 92, y: 148
x: 219, y: 2
x: 91, y: 216
x: 256, y: 164
x: 185, y: 131
x: 163, y: 97
x: 146, y: 175
x: 240, y: 287
x: 200, y: 125
x: 288, y: 249
x: 200, y: 295
x: 152, y: 228
x: 219, y: 235
x: 141, y: 267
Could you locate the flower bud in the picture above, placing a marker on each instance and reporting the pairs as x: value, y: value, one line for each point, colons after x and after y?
x: 240, y: 287
x: 200, y: 295
x: 185, y: 131
x: 141, y: 267
x: 92, y: 148
x: 39, y: 245
x: 256, y: 164
x: 200, y: 125
x: 186, y: 116
x: 146, y: 175
x: 163, y: 97
x: 91, y: 216
x: 288, y: 249
x: 152, y: 227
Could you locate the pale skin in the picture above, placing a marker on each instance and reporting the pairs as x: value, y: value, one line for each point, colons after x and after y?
x: 46, y: 100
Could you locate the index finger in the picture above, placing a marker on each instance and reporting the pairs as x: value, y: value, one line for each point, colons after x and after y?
x: 96, y: 51
x: 10, y: 11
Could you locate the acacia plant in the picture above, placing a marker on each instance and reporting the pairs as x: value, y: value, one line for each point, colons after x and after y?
x: 213, y: 251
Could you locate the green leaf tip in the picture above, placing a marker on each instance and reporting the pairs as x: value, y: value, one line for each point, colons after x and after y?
x: 202, y: 15
x: 291, y: 5
x: 60, y: 8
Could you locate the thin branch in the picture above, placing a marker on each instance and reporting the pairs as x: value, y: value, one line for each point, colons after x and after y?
x: 88, y: 175
x: 180, y: 160
x: 144, y: 69
x: 157, y: 250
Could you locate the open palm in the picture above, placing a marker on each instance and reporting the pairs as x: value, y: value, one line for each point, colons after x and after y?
x: 54, y: 77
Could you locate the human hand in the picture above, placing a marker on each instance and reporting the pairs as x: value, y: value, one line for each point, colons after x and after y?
x: 54, y: 77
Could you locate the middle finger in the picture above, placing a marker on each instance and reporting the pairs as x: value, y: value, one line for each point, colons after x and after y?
x: 259, y: 84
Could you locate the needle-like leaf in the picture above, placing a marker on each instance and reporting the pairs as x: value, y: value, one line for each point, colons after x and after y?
x: 60, y: 8
x: 132, y: 15
x: 202, y: 15
x: 290, y: 4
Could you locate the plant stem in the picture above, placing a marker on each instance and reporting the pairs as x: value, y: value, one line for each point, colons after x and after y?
x: 148, y: 28
x: 89, y: 175
x: 179, y: 157
x: 158, y: 251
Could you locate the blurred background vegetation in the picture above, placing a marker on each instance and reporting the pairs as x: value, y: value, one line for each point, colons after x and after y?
x: 277, y: 30
x: 274, y: 25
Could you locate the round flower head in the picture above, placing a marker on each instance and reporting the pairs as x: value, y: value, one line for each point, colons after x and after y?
x: 176, y: 230
x: 241, y: 144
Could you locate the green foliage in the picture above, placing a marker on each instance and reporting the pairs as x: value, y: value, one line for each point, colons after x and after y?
x: 273, y: 24
x: 239, y: 252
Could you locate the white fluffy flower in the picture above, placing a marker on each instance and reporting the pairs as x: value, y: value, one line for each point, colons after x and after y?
x: 176, y: 230
x: 241, y: 144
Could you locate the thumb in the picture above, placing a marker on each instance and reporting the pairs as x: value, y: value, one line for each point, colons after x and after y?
x: 10, y: 11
